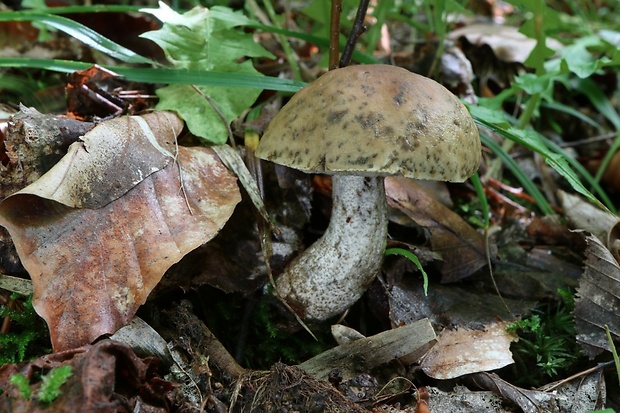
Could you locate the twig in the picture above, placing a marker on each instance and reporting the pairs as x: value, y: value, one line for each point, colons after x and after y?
x: 553, y: 386
x: 181, y: 182
x: 356, y: 32
x: 334, y: 34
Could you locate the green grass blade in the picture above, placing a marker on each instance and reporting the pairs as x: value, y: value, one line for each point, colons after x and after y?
x: 79, y: 32
x: 527, y: 184
x: 583, y: 172
x: 606, y: 108
x: 414, y: 259
x: 599, y: 100
x: 94, y: 8
x: 533, y: 140
x: 164, y: 76
x: 484, y: 202
x: 572, y: 112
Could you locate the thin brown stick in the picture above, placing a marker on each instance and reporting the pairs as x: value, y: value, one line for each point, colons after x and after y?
x: 334, y: 34
x: 356, y: 32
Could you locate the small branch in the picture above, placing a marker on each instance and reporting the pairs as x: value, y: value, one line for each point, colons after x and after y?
x: 356, y: 32
x: 334, y: 34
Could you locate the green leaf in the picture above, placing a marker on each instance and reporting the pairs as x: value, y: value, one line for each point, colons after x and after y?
x: 543, y: 19
x: 533, y: 84
x: 204, y: 38
x: 578, y: 58
x: 208, y: 40
x: 414, y: 259
x: 201, y: 117
x: 602, y: 103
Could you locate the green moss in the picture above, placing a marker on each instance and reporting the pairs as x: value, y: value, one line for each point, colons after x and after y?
x: 22, y: 384
x: 28, y: 337
x: 547, y: 340
x: 51, y: 383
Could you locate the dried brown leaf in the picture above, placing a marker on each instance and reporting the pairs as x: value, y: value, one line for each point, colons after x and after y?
x: 106, y: 377
x: 461, y: 246
x: 110, y: 160
x: 585, y: 216
x: 463, y: 351
x: 530, y: 401
x: 597, y: 299
x: 451, y: 306
x: 93, y: 268
x: 462, y: 400
x: 507, y: 42
x: 32, y: 144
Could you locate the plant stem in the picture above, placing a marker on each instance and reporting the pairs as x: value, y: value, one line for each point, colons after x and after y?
x: 356, y: 32
x: 291, y: 56
x: 334, y: 34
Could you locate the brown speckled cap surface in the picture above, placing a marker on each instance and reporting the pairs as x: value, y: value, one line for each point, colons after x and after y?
x: 374, y: 120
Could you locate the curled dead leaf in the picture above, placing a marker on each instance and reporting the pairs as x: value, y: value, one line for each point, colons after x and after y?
x: 93, y: 268
x: 464, y: 351
x: 110, y: 160
x: 462, y: 248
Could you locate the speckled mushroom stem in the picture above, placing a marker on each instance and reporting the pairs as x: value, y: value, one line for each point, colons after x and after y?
x: 333, y: 273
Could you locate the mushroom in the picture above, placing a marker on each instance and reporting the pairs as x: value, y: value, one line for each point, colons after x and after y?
x: 360, y: 124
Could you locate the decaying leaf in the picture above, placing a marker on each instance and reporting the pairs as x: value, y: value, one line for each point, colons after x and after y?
x: 32, y: 144
x: 464, y: 351
x: 450, y: 306
x: 110, y: 160
x: 105, y: 377
x: 584, y: 393
x: 585, y: 216
x: 463, y: 400
x: 529, y: 401
x: 597, y: 300
x: 97, y: 92
x: 461, y: 247
x: 93, y: 268
x: 507, y: 42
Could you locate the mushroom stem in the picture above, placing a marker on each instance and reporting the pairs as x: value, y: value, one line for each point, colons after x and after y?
x: 333, y: 273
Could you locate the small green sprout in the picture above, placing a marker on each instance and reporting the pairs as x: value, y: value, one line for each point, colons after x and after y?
x: 546, y: 338
x: 50, y: 384
x: 22, y: 384
x: 411, y: 257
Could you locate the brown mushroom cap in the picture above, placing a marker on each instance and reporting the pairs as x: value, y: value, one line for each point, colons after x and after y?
x: 374, y: 120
